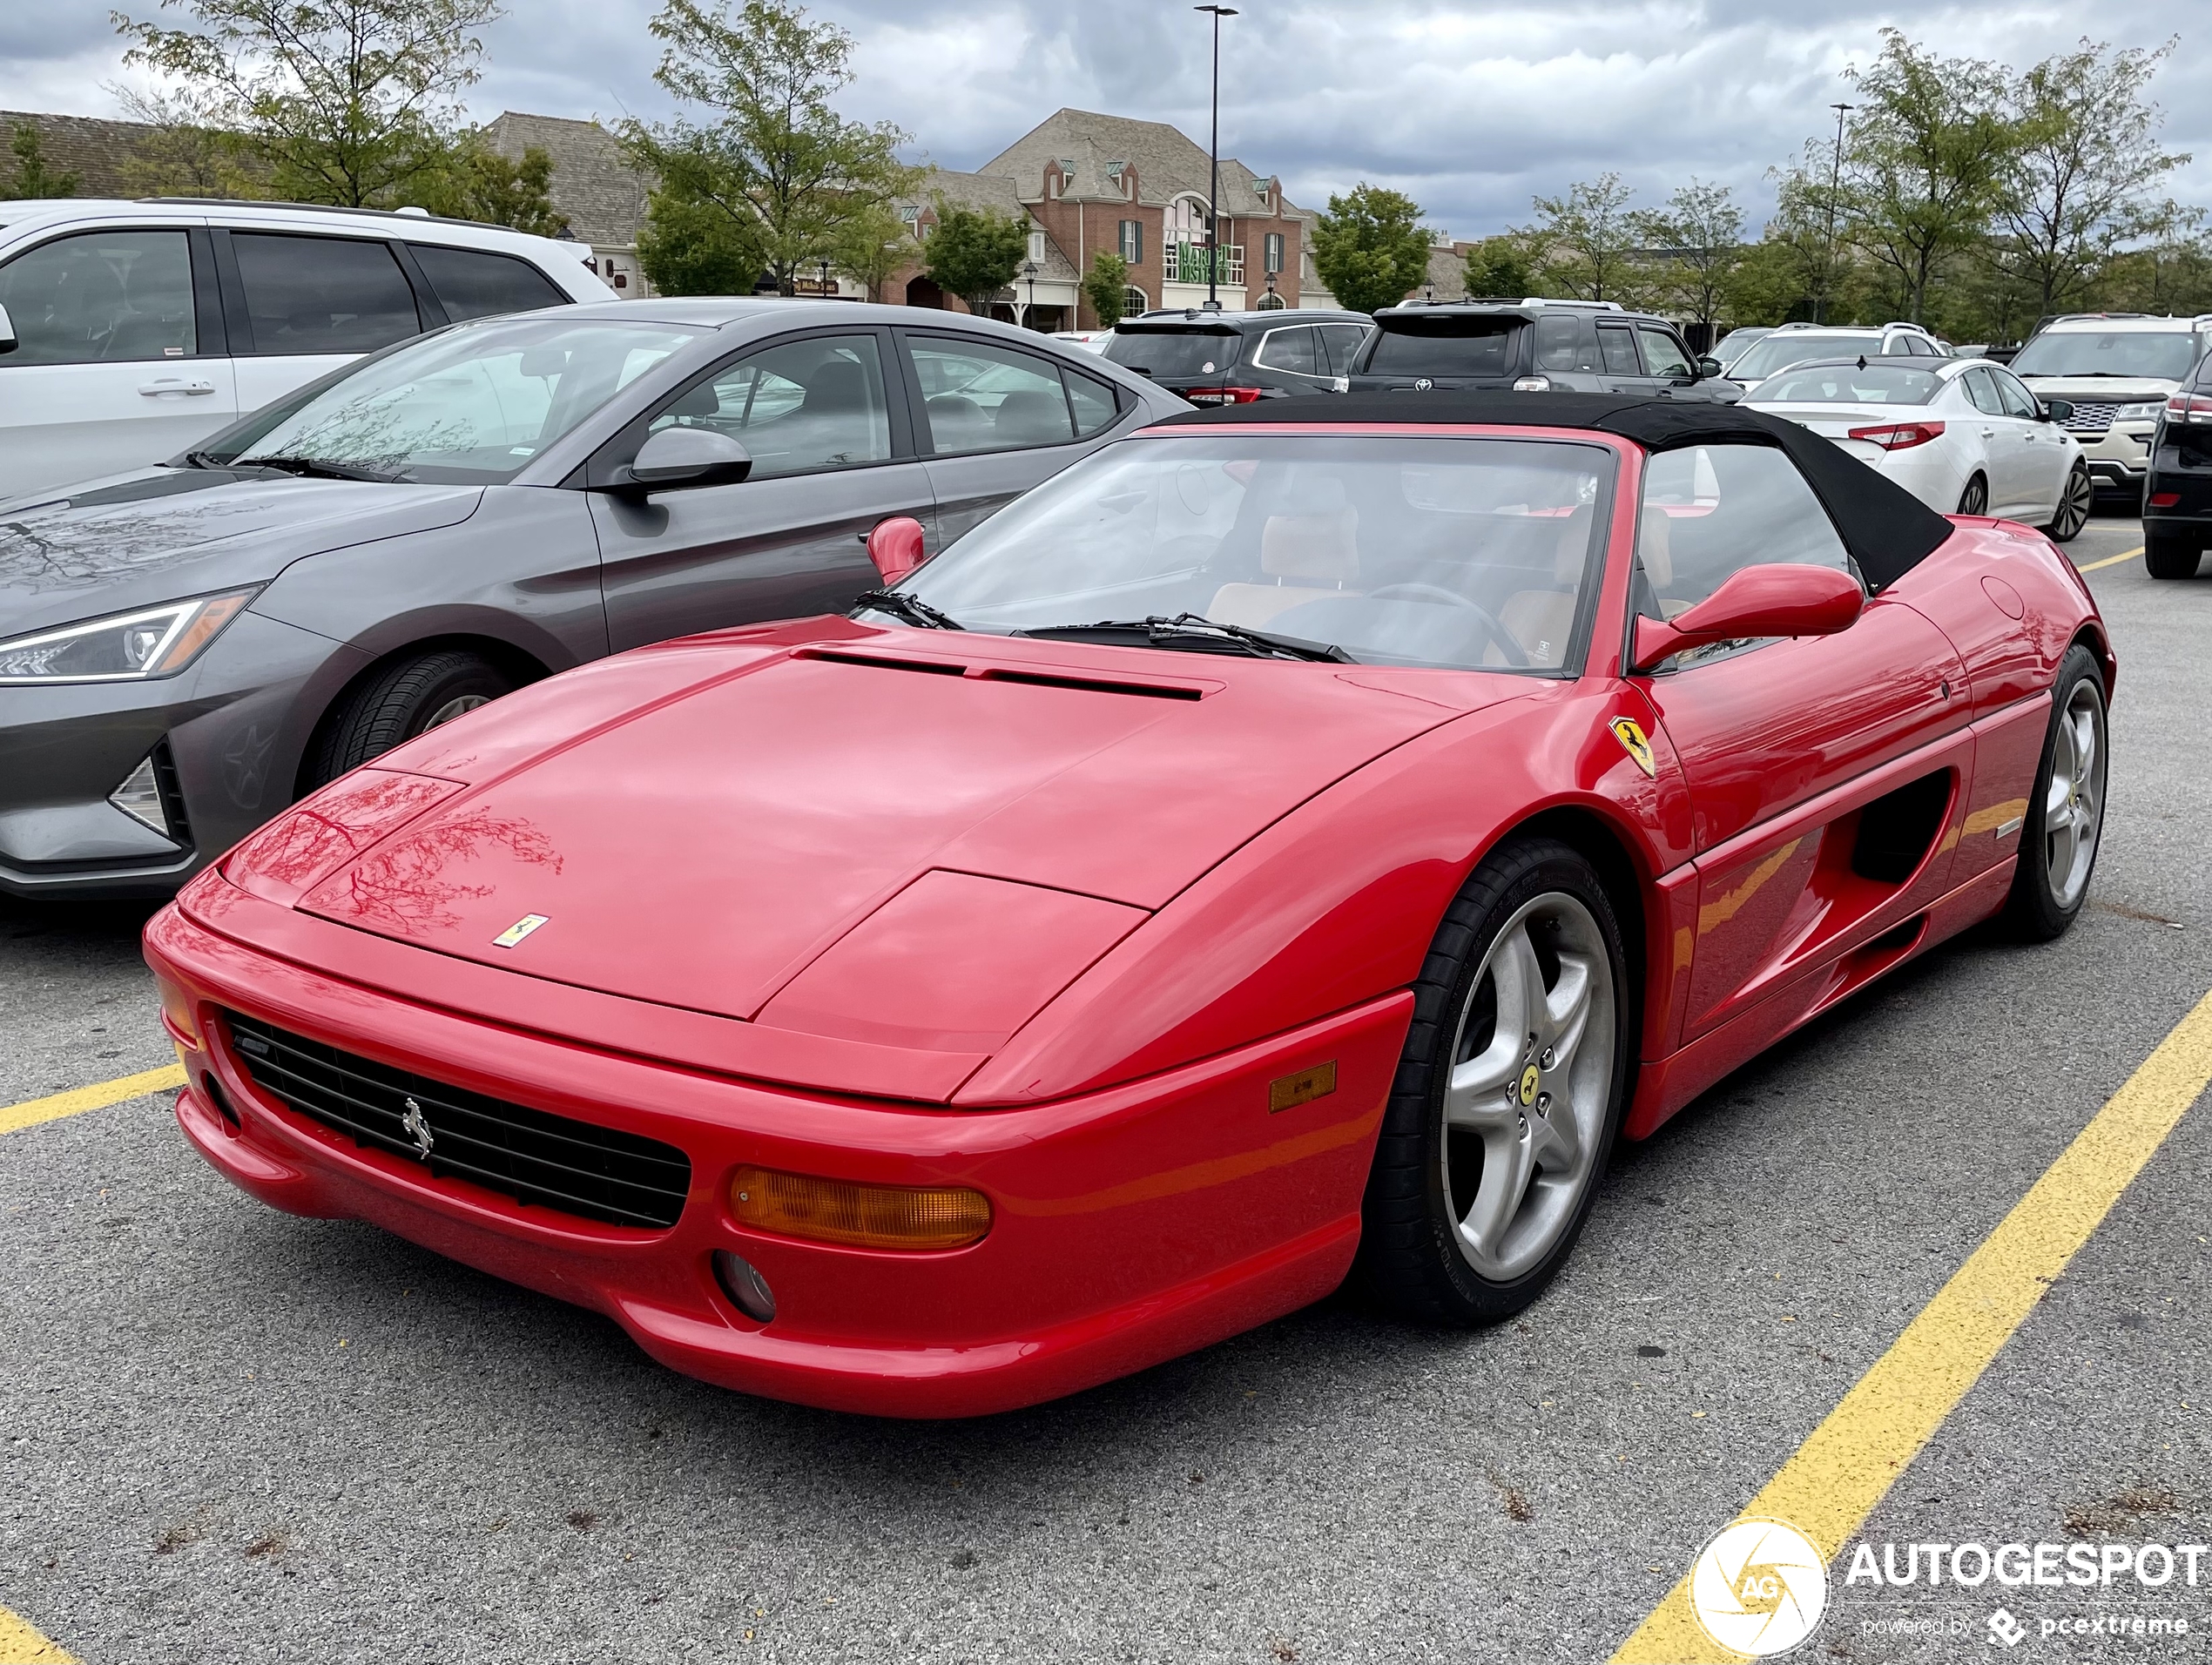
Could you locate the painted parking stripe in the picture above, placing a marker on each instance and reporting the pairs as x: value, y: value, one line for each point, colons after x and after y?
x: 21, y: 1644
x: 15, y: 1117
x: 2111, y: 560
x: 1837, y: 1477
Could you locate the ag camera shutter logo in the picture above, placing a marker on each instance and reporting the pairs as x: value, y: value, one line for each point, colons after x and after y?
x: 1759, y: 1587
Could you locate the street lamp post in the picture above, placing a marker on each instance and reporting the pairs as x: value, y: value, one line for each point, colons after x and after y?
x: 1834, y: 186
x: 1029, y: 314
x: 824, y: 265
x: 1213, y: 189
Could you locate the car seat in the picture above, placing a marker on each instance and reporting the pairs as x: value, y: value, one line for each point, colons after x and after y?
x: 837, y: 388
x: 1542, y: 620
x: 1319, y: 545
x: 1032, y: 417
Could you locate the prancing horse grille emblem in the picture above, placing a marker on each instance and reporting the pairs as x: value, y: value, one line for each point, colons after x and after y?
x: 417, y: 1127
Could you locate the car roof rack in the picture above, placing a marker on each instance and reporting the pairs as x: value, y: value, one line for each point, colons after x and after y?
x: 408, y: 212
x: 2096, y: 317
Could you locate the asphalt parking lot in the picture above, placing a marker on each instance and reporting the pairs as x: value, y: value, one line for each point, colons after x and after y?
x: 227, y: 1434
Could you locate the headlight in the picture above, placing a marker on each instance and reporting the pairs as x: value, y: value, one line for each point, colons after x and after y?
x: 2143, y: 413
x: 131, y: 647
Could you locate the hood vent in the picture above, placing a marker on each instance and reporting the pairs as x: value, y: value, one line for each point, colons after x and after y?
x: 998, y: 673
x: 932, y: 667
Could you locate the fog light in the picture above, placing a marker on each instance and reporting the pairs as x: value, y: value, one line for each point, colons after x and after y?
x: 742, y: 1282
x: 861, y: 1216
x: 139, y: 797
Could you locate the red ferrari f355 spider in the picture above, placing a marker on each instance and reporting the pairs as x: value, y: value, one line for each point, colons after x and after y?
x: 1296, y: 841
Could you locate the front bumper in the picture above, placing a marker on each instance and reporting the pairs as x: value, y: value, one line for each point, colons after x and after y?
x: 2119, y: 457
x: 1129, y: 1226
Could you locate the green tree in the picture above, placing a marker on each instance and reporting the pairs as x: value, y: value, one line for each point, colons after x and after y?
x: 350, y: 102
x: 1501, y: 267
x: 874, y: 246
x: 2086, y: 161
x: 975, y: 254
x: 1106, y: 286
x: 772, y: 153
x: 480, y: 183
x: 2170, y: 274
x: 34, y: 180
x: 690, y: 245
x: 1371, y: 248
x: 1925, y: 167
x: 1589, y: 238
x: 1701, y: 233
x: 1768, y: 284
x: 185, y: 152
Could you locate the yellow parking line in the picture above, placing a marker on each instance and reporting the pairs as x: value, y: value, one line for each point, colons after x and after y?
x: 1837, y: 1476
x: 15, y: 1117
x: 20, y: 1644
x: 2111, y: 560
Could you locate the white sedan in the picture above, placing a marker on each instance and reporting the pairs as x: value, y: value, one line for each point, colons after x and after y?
x: 1962, y: 436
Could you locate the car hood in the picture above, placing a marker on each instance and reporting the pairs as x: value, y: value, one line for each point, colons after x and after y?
x: 140, y: 539
x: 2113, y: 389
x: 706, y: 846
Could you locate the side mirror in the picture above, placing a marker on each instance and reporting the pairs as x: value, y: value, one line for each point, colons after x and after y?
x: 688, y: 457
x: 896, y: 547
x: 2058, y: 410
x: 1778, y: 600
x: 1708, y: 366
x: 8, y: 342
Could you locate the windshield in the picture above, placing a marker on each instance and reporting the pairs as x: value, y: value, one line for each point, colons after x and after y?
x: 2160, y: 355
x: 471, y: 405
x: 1734, y: 345
x: 1417, y: 551
x: 1407, y: 353
x: 1174, y: 354
x: 1833, y: 384
x: 1779, y: 352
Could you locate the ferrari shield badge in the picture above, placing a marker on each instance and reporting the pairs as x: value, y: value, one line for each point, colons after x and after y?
x: 1629, y: 733
x: 517, y: 931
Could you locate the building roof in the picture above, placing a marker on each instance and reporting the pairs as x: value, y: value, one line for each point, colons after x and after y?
x: 593, y: 183
x: 990, y: 194
x: 102, y: 154
x: 1168, y: 163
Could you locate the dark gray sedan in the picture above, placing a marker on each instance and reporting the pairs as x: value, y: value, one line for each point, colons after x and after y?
x: 185, y: 649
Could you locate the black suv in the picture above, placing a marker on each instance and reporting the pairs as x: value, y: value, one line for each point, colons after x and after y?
x: 1533, y: 347
x: 1235, y: 358
x: 2177, y: 487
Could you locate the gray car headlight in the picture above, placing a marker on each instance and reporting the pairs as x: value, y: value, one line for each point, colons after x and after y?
x: 2143, y: 413
x: 130, y: 647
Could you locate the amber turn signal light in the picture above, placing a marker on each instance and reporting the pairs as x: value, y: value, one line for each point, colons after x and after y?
x: 859, y: 1216
x: 176, y: 1005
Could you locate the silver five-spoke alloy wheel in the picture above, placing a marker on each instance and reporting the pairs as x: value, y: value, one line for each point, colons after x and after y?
x: 1531, y: 1083
x: 2074, y: 805
x: 459, y: 706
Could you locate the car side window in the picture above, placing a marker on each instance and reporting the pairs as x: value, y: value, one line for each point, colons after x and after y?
x: 1091, y: 399
x: 1709, y: 511
x: 2018, y: 400
x: 1981, y: 387
x: 1341, y: 344
x: 1289, y: 350
x: 475, y: 283
x: 323, y: 294
x: 1662, y: 357
x: 1618, y: 345
x: 100, y: 297
x: 801, y: 407
x: 979, y: 396
x: 1559, y: 343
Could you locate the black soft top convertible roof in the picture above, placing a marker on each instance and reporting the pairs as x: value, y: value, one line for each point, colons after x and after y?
x: 1887, y: 529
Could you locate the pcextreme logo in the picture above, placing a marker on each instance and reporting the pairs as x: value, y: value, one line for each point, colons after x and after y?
x: 1759, y: 1587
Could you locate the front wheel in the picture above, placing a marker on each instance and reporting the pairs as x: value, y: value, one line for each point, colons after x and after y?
x: 2170, y: 558
x: 2074, y: 504
x: 2066, y: 809
x: 1508, y: 1096
x: 410, y: 696
x: 1974, y: 500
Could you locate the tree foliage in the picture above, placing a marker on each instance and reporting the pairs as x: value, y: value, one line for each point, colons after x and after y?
x: 874, y: 245
x: 974, y: 253
x: 350, y: 102
x: 478, y: 183
x: 769, y: 153
x: 34, y: 180
x: 690, y: 245
x: 1371, y: 248
x: 1697, y: 240
x: 1106, y: 286
x: 1588, y: 238
x: 1500, y: 267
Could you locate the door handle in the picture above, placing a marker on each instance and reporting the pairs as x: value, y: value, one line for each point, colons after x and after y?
x: 174, y: 384
x: 1989, y: 433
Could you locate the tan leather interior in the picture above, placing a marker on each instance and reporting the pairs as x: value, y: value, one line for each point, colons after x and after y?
x: 1320, y: 546
x: 1542, y: 620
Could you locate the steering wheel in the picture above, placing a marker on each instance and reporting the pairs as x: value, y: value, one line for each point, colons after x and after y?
x: 1497, y: 633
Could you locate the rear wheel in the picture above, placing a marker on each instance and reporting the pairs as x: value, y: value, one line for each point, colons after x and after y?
x: 409, y: 697
x: 1508, y: 1096
x: 2168, y: 556
x: 2074, y: 504
x: 1974, y: 500
x: 2066, y: 809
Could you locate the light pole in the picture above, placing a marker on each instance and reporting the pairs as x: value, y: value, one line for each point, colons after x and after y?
x: 1834, y: 186
x: 1213, y: 188
x: 1029, y: 314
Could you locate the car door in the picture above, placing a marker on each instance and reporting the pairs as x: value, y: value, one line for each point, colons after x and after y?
x: 823, y: 416
x: 1665, y: 362
x: 2009, y: 458
x: 300, y: 305
x: 1340, y: 342
x: 1291, y: 359
x: 994, y: 420
x: 2044, y: 459
x: 1623, y: 370
x: 1824, y: 772
x: 120, y: 358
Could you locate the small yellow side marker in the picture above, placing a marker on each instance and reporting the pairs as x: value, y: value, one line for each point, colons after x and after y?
x: 1291, y: 1091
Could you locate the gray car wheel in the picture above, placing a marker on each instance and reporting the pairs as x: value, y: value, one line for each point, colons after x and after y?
x: 1974, y: 500
x: 2064, y: 822
x: 409, y: 697
x: 2080, y: 497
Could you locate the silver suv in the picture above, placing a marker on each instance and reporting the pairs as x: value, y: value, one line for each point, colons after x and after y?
x: 2117, y: 370
x: 1791, y: 344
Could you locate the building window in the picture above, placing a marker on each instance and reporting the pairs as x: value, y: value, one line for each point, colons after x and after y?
x: 1272, y: 247
x: 1036, y: 247
x: 1067, y: 170
x: 1269, y: 303
x: 1186, y: 220
x: 1134, y: 305
x: 1133, y: 241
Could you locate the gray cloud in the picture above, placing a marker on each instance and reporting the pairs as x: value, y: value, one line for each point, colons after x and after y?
x: 1472, y: 107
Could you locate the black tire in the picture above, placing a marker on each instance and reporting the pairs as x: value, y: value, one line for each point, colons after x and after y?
x: 408, y: 697
x: 1411, y: 1258
x: 2034, y: 912
x: 1974, y: 500
x: 2075, y: 504
x: 2167, y: 557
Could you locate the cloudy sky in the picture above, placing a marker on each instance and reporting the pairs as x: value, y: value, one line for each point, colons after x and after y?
x: 1468, y: 107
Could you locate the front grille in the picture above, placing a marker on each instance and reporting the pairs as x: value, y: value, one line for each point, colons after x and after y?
x: 2093, y: 416
x: 531, y: 1156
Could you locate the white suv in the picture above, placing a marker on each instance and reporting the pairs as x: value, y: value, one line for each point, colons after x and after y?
x: 129, y: 330
x: 2117, y: 370
x: 1790, y: 344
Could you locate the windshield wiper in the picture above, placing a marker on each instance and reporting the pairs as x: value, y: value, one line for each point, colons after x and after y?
x: 316, y: 468
x: 905, y: 606
x: 204, y: 459
x: 1190, y: 628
